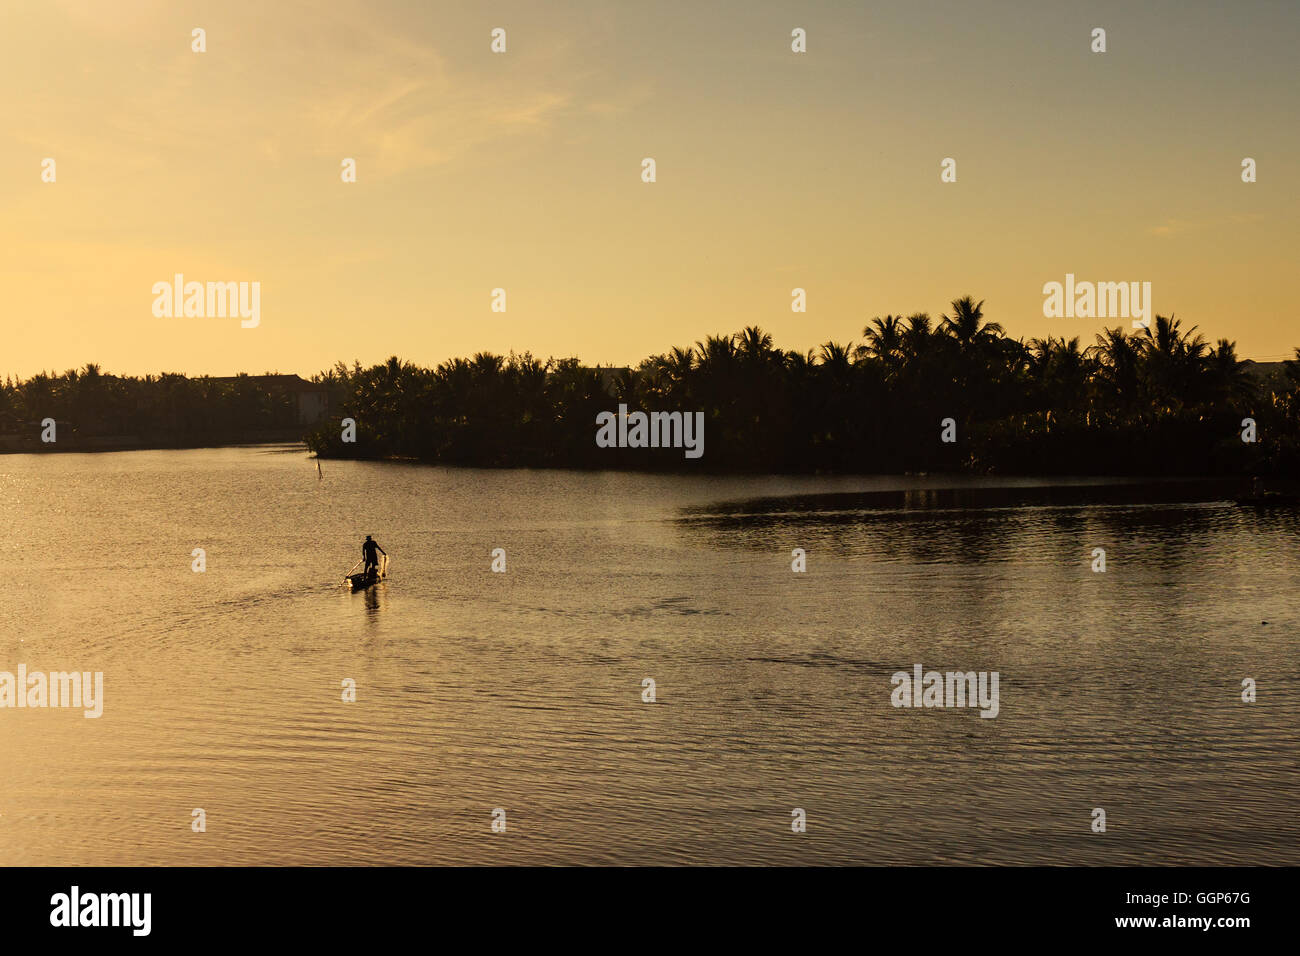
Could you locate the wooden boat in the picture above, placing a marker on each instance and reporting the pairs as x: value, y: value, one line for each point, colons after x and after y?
x: 363, y: 579
x: 360, y: 580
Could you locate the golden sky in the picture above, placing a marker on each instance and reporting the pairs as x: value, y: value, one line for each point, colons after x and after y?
x: 522, y: 170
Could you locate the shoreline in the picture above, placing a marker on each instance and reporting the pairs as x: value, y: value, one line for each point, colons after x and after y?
x: 13, y: 445
x: 937, y: 482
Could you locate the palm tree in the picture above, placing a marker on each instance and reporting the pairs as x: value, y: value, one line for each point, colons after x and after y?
x: 1229, y: 382
x: 678, y: 365
x: 754, y: 345
x: 1119, y: 359
x: 838, y: 358
x: 967, y: 323
x: 716, y: 352
x: 884, y: 340
x: 1173, y: 362
x: 715, y: 375
x: 681, y: 361
x: 918, y: 335
x: 799, y: 366
x: 1062, y: 372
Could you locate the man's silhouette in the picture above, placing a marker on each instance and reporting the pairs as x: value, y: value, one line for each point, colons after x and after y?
x: 368, y: 552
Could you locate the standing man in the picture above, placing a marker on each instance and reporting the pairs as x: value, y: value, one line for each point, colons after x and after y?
x: 368, y: 552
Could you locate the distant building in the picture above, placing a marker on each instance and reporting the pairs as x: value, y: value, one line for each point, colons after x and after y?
x: 313, y: 400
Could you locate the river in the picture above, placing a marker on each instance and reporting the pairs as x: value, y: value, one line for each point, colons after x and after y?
x: 524, y: 691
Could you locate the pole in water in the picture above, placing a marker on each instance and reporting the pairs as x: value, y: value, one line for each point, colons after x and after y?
x: 319, y: 474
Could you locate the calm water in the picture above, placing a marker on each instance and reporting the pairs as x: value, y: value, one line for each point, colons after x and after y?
x: 523, y: 690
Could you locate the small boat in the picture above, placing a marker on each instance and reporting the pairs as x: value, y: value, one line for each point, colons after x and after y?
x: 360, y: 580
x: 363, y: 579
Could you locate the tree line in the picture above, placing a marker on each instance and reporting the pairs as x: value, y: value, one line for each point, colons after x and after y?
x: 156, y: 410
x: 1158, y: 400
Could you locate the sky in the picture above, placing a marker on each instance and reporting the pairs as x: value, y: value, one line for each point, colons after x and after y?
x: 522, y: 170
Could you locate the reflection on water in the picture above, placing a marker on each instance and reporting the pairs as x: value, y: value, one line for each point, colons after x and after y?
x: 374, y: 597
x: 522, y: 690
